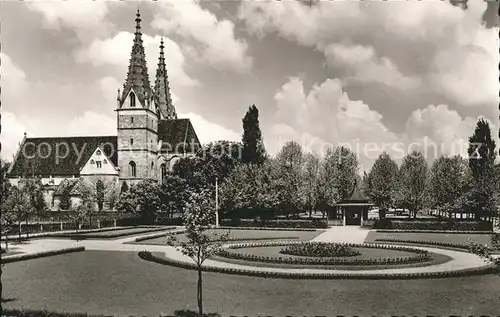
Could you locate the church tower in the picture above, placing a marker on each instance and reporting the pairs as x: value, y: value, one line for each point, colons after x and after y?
x: 163, y: 97
x: 137, y: 118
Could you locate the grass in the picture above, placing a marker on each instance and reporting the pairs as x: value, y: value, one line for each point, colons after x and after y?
x: 246, y: 234
x: 111, y: 234
x: 458, y: 238
x: 120, y: 283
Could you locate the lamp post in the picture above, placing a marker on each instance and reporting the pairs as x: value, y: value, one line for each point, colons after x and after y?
x: 216, y: 203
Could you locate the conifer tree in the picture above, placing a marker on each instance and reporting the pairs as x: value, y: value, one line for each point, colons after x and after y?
x: 253, y: 146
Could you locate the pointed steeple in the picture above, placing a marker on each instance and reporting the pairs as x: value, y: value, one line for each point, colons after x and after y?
x: 162, y: 88
x: 137, y: 76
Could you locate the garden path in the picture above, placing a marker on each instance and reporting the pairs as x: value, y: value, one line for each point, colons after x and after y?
x: 348, y: 234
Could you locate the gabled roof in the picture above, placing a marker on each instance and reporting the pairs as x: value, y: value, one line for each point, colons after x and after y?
x: 48, y: 156
x: 356, y: 198
x: 175, y: 134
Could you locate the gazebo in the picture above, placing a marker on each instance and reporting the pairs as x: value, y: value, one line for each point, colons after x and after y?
x: 354, y: 209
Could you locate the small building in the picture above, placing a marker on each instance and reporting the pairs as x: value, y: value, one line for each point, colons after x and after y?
x: 353, y: 211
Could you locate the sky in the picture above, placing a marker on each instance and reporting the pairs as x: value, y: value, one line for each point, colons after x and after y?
x: 375, y: 76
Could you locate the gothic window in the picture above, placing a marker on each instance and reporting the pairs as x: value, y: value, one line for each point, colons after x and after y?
x: 92, y: 162
x: 98, y: 163
x: 105, y: 161
x: 131, y: 167
x: 98, y: 152
x: 131, y: 119
x: 163, y: 171
x: 131, y: 141
x: 132, y: 99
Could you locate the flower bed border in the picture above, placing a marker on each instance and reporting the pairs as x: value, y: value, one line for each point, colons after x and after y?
x: 269, y: 228
x: 429, y: 243
x: 148, y: 256
x: 432, y: 231
x: 421, y: 257
x: 29, y: 256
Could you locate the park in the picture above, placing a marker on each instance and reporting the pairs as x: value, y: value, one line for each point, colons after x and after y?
x: 230, y: 235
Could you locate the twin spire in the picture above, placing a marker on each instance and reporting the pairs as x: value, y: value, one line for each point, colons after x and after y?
x: 138, y: 78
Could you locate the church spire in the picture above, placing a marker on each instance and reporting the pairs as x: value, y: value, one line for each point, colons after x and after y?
x: 162, y: 87
x: 137, y: 76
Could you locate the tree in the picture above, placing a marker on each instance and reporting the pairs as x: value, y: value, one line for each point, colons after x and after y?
x: 249, y: 189
x: 174, y: 192
x: 17, y: 206
x: 124, y: 187
x: 481, y: 163
x: 287, y: 176
x: 337, y: 180
x: 412, y: 182
x: 112, y: 195
x: 200, y: 245
x: 310, y: 177
x: 144, y: 198
x: 447, y: 183
x: 34, y: 188
x: 382, y: 183
x: 253, y: 145
x: 78, y: 214
x: 100, y: 190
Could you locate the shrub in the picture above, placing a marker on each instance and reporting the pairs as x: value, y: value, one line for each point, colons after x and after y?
x: 453, y: 225
x: 315, y: 223
x: 320, y: 249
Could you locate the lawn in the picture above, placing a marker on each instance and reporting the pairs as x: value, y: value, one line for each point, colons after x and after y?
x: 111, y: 233
x: 120, y: 283
x: 248, y: 235
x: 457, y: 238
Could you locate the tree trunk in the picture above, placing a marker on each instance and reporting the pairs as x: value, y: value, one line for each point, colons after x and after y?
x: 19, y: 231
x: 7, y: 241
x: 200, y: 294
x: 27, y: 229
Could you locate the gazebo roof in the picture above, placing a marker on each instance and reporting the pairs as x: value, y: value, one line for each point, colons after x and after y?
x: 355, y: 199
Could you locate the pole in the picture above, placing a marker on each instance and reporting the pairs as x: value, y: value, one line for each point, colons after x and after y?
x: 216, y: 204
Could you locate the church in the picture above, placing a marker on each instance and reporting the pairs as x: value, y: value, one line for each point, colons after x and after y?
x: 150, y: 137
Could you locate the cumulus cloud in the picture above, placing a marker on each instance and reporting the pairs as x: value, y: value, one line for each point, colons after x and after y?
x: 85, y: 17
x: 13, y: 80
x: 363, y: 65
x: 396, y: 43
x: 213, y: 39
x: 326, y: 117
x: 12, y: 133
x: 208, y: 131
x: 116, y: 51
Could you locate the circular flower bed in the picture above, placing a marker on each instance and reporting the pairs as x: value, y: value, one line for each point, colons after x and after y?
x: 416, y: 256
x: 320, y: 249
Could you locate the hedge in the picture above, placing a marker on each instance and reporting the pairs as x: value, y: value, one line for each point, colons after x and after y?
x: 421, y: 256
x: 431, y: 243
x: 41, y: 313
x: 445, y: 225
x: 267, y: 228
x: 148, y: 256
x: 315, y: 223
x: 22, y: 257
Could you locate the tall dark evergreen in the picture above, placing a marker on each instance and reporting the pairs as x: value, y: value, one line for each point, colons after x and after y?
x: 253, y: 146
x: 482, y: 155
x: 99, y: 187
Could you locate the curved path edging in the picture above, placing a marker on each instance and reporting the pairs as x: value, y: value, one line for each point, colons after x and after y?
x: 462, y: 263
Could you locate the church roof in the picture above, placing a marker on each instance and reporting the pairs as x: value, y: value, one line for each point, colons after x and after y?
x: 62, y: 156
x: 175, y: 134
x: 162, y: 88
x: 137, y: 76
